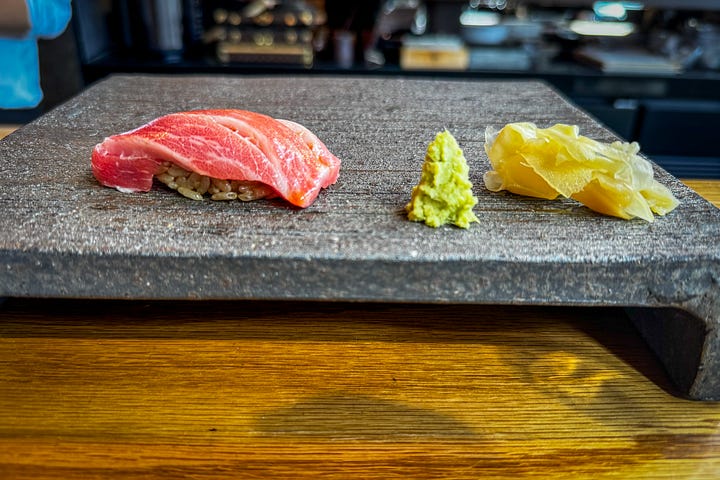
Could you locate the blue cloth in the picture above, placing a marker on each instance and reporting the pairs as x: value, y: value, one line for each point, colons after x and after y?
x: 19, y: 63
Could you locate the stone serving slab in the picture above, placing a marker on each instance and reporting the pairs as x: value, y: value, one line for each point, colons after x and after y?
x: 64, y: 235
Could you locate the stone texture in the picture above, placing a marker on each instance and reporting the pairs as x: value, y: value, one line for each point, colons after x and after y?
x: 64, y: 235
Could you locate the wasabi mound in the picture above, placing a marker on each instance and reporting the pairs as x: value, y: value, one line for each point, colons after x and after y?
x: 444, y: 194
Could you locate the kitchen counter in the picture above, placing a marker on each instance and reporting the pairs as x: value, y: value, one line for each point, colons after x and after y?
x: 7, y: 129
x: 96, y: 389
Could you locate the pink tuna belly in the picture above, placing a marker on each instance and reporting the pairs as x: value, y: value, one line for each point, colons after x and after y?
x: 223, y: 144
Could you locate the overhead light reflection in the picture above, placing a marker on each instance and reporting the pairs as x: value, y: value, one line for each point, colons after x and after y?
x: 615, y: 10
x: 602, y: 29
x: 479, y: 18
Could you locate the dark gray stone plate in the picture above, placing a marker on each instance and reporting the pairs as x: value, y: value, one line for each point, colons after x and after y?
x: 64, y: 235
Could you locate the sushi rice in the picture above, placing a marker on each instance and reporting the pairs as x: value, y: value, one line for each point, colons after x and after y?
x: 196, y: 186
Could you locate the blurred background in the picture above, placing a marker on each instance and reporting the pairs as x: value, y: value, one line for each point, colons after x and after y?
x: 649, y: 70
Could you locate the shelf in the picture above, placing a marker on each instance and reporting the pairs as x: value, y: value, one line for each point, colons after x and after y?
x: 572, y: 79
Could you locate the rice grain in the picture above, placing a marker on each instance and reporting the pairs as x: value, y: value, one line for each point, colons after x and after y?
x: 165, y: 178
x: 222, y: 185
x: 224, y: 196
x: 193, y: 185
x: 176, y: 171
x: 202, y: 188
x: 192, y: 194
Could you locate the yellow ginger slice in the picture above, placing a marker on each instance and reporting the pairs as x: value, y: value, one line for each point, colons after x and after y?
x: 557, y: 161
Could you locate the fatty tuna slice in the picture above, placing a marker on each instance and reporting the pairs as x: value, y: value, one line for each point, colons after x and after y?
x: 221, y: 144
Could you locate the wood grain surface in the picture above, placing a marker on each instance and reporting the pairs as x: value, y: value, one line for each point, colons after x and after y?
x: 709, y: 189
x: 336, y: 390
x: 7, y: 129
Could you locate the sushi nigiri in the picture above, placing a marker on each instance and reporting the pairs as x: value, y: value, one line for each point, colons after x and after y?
x: 226, y: 154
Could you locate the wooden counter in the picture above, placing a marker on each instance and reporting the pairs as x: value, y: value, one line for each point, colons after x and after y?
x: 336, y: 390
x: 709, y: 189
x: 6, y: 129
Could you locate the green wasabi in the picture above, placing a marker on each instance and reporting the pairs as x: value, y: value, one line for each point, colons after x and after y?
x: 444, y: 194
